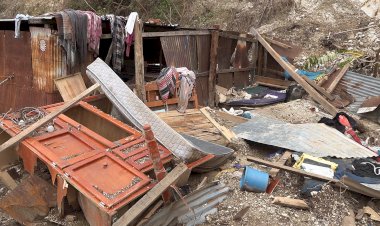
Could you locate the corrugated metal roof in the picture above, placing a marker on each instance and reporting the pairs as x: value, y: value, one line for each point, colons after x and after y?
x: 359, y: 86
x: 313, y: 138
x: 193, y: 208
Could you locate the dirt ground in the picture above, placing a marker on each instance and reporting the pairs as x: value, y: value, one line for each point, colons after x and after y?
x: 327, y: 207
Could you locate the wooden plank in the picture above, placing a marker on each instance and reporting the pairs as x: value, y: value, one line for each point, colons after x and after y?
x: 139, y: 61
x: 152, y: 195
x: 284, y: 157
x: 228, y: 134
x: 272, y: 82
x: 212, y: 68
x: 7, y: 180
x: 277, y: 43
x: 342, y: 72
x: 150, y: 213
x: 232, y: 118
x: 23, y: 134
x: 158, y: 103
x: 232, y: 36
x: 289, y: 202
x: 70, y: 86
x: 239, y: 215
x: 175, y: 33
x: 312, y: 92
x: 224, y: 71
x: 318, y: 88
x: 290, y: 169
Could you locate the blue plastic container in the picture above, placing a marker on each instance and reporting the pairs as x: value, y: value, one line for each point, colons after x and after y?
x: 254, y: 180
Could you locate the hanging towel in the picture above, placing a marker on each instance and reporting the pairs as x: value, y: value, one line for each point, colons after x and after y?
x: 187, y: 83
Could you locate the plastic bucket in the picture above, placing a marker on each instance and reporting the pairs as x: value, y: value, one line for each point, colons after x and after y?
x: 254, y: 180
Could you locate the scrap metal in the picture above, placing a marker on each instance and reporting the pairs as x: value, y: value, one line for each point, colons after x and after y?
x: 316, y: 139
x: 360, y: 87
x: 193, y: 208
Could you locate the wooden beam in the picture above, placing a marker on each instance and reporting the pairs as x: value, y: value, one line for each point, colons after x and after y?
x: 290, y: 169
x: 139, y: 61
x: 272, y: 82
x: 23, y: 134
x: 312, y: 92
x: 284, y: 157
x: 277, y: 43
x: 338, y: 78
x: 289, y: 202
x: 7, y: 180
x: 150, y: 213
x: 175, y: 33
x: 233, y: 36
x: 228, y: 134
x: 318, y: 88
x: 231, y: 70
x: 212, y: 68
x: 148, y: 199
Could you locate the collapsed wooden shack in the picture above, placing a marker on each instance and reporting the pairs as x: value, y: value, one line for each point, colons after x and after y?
x: 30, y: 64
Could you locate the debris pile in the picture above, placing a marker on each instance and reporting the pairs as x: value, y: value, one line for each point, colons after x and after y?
x: 276, y: 142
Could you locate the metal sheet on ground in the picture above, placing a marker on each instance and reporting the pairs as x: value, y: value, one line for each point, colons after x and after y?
x: 316, y: 139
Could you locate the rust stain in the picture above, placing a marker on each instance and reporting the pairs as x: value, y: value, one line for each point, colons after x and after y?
x: 47, y: 59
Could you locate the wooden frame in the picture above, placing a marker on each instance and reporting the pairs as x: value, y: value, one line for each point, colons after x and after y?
x: 151, y: 89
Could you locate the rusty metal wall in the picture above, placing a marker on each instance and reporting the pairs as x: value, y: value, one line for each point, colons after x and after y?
x: 2, y: 55
x: 179, y: 51
x: 48, y: 60
x: 192, y: 52
x: 16, y: 59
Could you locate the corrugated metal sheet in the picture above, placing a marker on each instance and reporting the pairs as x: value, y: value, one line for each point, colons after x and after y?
x: 47, y: 58
x: 359, y: 86
x: 180, y: 51
x: 15, y: 55
x: 193, y: 208
x: 192, y: 52
x: 16, y: 59
x: 313, y: 138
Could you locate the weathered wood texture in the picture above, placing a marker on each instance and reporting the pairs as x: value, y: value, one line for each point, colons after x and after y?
x: 70, y: 86
x: 339, y: 77
x: 228, y: 134
x: 312, y: 92
x: 139, y: 61
x: 213, y: 65
x: 148, y: 199
x: 194, y: 123
x: 289, y: 202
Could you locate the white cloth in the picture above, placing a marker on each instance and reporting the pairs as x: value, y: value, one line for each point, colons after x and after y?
x: 130, y: 23
x: 187, y: 82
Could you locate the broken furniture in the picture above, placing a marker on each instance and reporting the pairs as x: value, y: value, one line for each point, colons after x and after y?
x: 195, y: 123
x: 98, y: 155
x: 154, y: 100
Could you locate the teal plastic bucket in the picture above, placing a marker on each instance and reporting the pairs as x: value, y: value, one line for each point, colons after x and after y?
x: 254, y: 180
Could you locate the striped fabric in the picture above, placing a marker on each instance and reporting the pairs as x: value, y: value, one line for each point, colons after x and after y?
x: 166, y: 82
